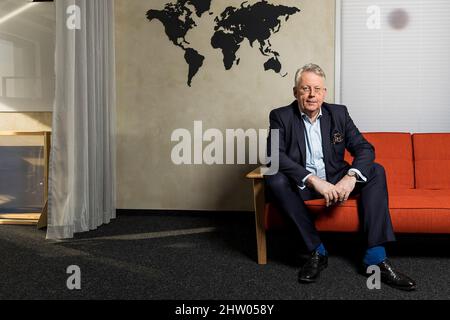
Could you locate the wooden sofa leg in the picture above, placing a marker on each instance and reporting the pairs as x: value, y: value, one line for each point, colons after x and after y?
x: 259, y: 203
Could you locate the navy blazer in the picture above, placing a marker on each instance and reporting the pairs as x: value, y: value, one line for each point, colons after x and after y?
x: 338, y: 133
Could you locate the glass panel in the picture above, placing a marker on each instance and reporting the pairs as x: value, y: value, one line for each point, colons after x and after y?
x: 27, y: 43
x: 22, y: 174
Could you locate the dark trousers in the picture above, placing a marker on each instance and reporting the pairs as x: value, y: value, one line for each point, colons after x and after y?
x: 373, y: 207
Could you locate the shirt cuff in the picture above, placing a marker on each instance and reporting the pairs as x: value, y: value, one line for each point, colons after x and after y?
x: 302, y: 185
x: 359, y: 176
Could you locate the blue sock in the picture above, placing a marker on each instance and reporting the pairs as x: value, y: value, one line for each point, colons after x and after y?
x: 321, y: 250
x: 375, y: 255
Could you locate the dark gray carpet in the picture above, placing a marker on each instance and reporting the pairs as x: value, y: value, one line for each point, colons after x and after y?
x: 218, y: 263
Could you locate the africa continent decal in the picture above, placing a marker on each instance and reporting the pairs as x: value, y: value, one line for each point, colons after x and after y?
x: 255, y: 23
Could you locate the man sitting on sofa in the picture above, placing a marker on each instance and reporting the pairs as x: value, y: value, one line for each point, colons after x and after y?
x: 313, y: 136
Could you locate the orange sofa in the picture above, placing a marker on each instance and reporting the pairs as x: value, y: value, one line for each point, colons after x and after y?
x: 418, y: 176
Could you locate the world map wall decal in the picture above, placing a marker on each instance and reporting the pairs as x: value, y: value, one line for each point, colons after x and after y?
x: 252, y: 22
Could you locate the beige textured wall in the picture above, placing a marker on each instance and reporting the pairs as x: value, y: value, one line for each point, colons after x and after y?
x: 153, y: 100
x: 25, y: 121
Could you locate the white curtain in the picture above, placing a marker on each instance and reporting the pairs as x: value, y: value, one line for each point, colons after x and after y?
x: 82, y: 163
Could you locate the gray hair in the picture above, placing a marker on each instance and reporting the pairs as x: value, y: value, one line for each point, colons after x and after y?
x: 310, y: 67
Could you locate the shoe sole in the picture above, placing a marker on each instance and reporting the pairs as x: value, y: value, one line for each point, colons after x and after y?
x: 402, y: 288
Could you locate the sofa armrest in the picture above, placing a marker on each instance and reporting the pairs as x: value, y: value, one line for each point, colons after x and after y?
x: 257, y: 173
x: 259, y: 206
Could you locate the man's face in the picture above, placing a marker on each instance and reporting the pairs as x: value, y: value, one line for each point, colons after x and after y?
x: 310, y: 93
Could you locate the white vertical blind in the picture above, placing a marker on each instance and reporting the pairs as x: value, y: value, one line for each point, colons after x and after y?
x: 395, y: 64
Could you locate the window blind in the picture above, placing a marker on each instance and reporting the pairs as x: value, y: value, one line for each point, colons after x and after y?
x: 395, y: 64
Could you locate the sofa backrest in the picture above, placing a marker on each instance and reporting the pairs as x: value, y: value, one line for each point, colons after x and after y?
x: 393, y: 150
x: 432, y: 160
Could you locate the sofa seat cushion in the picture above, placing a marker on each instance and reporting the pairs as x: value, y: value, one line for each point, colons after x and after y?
x: 412, y: 211
x: 419, y: 199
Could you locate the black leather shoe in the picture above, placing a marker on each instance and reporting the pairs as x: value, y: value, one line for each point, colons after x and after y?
x: 311, y: 269
x: 395, y: 279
